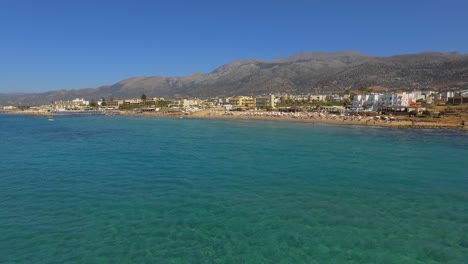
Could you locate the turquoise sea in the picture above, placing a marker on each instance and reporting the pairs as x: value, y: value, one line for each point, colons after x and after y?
x: 122, y: 189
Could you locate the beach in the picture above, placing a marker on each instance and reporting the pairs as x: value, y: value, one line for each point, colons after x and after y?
x: 313, y: 117
x: 440, y: 123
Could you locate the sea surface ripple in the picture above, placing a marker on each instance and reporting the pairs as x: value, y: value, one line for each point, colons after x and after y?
x: 125, y: 189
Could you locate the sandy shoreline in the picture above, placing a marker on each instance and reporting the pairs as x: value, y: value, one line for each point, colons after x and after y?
x: 365, y: 121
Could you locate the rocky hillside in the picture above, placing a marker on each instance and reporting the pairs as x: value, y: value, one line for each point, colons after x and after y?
x: 302, y: 73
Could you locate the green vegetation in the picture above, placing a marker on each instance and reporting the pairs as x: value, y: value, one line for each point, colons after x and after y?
x: 346, y: 102
x: 366, y: 90
x: 427, y: 113
x: 160, y: 104
x: 23, y: 107
x: 93, y: 103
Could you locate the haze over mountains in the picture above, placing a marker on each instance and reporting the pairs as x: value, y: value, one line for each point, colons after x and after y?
x: 306, y: 72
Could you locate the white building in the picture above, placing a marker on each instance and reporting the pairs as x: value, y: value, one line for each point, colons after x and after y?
x: 396, y: 101
x: 317, y: 97
x: 335, y: 98
x: 80, y: 102
x: 418, y: 95
x: 133, y: 101
x: 445, y: 95
x: 186, y: 103
x: 366, y: 101
x: 372, y: 101
x: 76, y: 104
x: 376, y: 102
x: 299, y: 97
x: 358, y: 101
x: 422, y: 95
x: 227, y: 107
x: 10, y: 107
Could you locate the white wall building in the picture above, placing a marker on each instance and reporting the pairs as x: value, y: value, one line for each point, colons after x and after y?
x: 376, y: 102
x: 367, y: 102
x: 9, y: 107
x: 299, y: 97
x: 372, y: 101
x: 418, y: 95
x: 358, y: 101
x: 186, y: 103
x: 317, y: 97
x: 424, y: 95
x: 335, y: 98
x: 80, y: 101
x: 76, y: 104
x: 445, y: 95
x: 133, y: 101
x: 394, y: 100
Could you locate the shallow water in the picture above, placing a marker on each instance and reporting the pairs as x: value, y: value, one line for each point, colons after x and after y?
x: 159, y: 190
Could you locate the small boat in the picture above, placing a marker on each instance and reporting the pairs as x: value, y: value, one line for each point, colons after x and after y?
x: 50, y: 118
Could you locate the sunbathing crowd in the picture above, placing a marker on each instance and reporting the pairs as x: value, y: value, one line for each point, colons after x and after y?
x: 307, y: 115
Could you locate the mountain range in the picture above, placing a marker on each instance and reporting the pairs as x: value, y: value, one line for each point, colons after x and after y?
x: 307, y: 72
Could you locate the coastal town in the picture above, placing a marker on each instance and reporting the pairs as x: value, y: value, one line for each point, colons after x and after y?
x: 435, y: 109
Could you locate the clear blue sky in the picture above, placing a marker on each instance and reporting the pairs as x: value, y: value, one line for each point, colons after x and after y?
x: 59, y: 44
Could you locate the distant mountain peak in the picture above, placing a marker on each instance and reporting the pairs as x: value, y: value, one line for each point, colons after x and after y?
x: 305, y: 72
